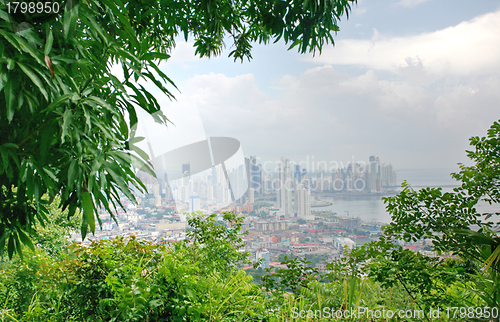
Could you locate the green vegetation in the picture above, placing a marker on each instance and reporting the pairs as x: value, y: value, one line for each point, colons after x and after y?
x: 132, y: 280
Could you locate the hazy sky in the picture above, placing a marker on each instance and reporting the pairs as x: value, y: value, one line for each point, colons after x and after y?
x: 408, y: 81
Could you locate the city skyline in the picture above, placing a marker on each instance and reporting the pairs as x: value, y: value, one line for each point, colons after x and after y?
x: 223, y: 186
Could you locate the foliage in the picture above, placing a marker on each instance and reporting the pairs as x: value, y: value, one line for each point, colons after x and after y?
x: 425, y: 279
x: 126, y: 279
x: 54, y: 238
x: 446, y: 219
x: 216, y: 246
x: 295, y: 276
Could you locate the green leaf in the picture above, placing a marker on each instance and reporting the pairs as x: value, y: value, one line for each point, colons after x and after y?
x: 71, y: 173
x: 34, y: 78
x: 4, y: 16
x: 10, y: 99
x: 102, y: 102
x: 47, y: 135
x: 27, y: 48
x: 59, y: 101
x: 11, y: 247
x: 66, y: 123
x: 69, y: 20
x: 155, y: 55
x: 25, y: 239
x: 48, y: 44
x: 84, y: 228
x: 10, y: 64
x: 11, y: 39
x: 88, y: 210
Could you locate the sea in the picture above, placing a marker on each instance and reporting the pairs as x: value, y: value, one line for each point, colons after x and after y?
x: 371, y: 208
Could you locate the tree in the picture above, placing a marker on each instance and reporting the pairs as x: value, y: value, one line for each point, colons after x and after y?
x: 66, y: 119
x: 217, y: 246
x: 446, y: 221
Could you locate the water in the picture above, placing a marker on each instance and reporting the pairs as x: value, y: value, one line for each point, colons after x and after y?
x: 368, y: 208
x: 372, y: 208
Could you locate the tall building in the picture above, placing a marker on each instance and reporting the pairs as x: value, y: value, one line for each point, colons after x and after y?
x: 239, y: 183
x: 303, y: 203
x: 284, y: 187
x: 251, y: 195
x: 373, y: 183
x: 256, y: 177
x: 387, y: 175
x: 297, y: 174
x: 266, y: 182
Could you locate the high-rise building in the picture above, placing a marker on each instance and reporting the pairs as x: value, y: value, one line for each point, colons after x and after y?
x: 157, y: 197
x: 239, y: 183
x: 284, y: 187
x: 256, y: 177
x: 297, y: 174
x: 303, y: 203
x: 222, y: 192
x: 251, y: 195
x: 266, y: 182
x: 387, y: 175
x: 373, y: 183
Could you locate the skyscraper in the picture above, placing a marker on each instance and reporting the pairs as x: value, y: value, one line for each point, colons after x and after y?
x: 303, y: 203
x: 387, y: 175
x: 255, y: 176
x: 297, y: 174
x: 373, y: 183
x: 284, y: 187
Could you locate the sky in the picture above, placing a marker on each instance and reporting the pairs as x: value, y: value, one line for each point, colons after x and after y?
x: 409, y: 81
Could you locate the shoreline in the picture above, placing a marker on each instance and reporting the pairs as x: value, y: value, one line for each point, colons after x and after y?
x: 359, y: 194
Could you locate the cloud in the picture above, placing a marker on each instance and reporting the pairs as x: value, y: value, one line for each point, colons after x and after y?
x: 183, y: 53
x: 441, y: 89
x: 410, y: 3
x: 333, y: 116
x: 471, y: 47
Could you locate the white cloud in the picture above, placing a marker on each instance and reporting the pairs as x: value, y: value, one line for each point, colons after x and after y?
x: 334, y: 116
x: 442, y: 89
x: 183, y: 53
x: 410, y: 3
x: 471, y: 47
